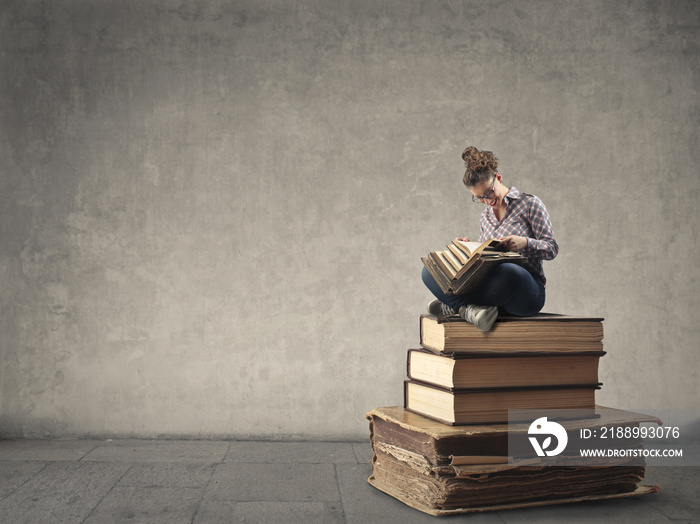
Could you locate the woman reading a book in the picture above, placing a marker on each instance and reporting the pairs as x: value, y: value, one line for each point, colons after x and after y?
x: 521, y: 223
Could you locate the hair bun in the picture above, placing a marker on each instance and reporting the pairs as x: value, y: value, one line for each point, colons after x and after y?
x: 479, y: 161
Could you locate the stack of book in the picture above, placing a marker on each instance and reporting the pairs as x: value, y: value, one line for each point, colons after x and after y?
x: 464, y: 376
x: 448, y: 449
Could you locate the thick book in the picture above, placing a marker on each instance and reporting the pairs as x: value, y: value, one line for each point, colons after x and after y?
x: 443, y: 470
x: 490, y: 405
x: 544, y: 332
x: 484, y: 369
x: 463, y: 265
x: 441, y: 445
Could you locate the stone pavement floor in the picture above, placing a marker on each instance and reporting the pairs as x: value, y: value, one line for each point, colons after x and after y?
x: 186, y: 481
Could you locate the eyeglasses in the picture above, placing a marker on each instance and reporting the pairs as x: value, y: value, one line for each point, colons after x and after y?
x: 489, y: 195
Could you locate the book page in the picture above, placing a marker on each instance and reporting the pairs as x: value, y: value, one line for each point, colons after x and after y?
x: 475, y: 247
x: 461, y: 255
x: 453, y: 260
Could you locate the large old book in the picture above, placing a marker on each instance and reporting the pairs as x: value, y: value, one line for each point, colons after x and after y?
x: 491, y: 405
x: 444, y: 470
x: 544, y: 332
x: 489, y: 369
x: 463, y: 265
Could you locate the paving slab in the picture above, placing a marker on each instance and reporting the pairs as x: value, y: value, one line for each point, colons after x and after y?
x: 129, y: 450
x: 363, y: 452
x: 678, y: 499
x: 61, y: 492
x: 147, y: 506
x: 620, y: 511
x: 167, y: 475
x: 251, y: 482
x: 13, y: 474
x: 292, y: 452
x: 46, y: 450
x: 226, y: 512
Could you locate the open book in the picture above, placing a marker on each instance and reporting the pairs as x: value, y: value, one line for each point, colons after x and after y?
x: 471, y: 248
x: 463, y: 264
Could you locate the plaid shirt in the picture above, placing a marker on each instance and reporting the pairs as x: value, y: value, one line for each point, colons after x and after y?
x: 527, y: 217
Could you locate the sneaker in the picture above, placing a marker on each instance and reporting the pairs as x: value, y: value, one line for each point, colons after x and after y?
x: 482, y: 317
x: 438, y: 309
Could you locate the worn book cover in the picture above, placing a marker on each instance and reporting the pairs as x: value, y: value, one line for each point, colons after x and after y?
x: 444, y: 470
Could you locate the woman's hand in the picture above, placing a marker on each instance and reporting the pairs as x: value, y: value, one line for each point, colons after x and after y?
x: 514, y: 243
x: 463, y: 239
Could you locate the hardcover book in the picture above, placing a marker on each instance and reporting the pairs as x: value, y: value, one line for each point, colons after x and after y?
x: 544, y: 332
x: 491, y: 405
x: 445, y: 470
x: 489, y: 369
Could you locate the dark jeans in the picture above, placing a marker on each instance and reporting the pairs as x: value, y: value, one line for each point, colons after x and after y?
x: 509, y: 286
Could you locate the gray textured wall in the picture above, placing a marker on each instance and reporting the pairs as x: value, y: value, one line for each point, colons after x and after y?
x: 213, y: 213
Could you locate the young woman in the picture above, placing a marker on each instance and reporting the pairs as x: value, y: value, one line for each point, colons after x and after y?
x: 521, y: 222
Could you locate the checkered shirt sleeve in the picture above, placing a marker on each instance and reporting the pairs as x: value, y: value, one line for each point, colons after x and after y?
x: 525, y: 216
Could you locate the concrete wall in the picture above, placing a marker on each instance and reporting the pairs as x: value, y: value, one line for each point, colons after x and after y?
x: 213, y: 213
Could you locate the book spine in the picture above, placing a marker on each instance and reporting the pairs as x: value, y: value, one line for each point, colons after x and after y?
x: 405, y: 393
